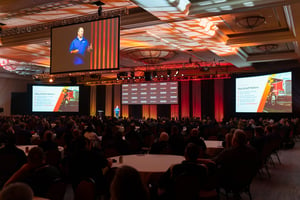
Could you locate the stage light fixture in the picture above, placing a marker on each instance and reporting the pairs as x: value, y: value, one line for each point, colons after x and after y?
x: 99, y: 4
x: 73, y: 80
x: 168, y: 73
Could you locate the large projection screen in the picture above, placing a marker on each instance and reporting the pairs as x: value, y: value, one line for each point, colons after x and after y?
x: 150, y: 93
x: 55, y: 98
x: 86, y: 46
x: 270, y: 93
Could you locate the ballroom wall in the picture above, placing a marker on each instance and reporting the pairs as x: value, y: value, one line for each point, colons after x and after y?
x: 9, y: 86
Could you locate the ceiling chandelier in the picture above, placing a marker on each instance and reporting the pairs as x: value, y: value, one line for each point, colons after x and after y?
x: 266, y: 48
x: 251, y: 22
x: 149, y: 56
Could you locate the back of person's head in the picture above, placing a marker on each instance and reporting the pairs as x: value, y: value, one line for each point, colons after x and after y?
x: 239, y: 138
x: 127, y: 185
x: 36, y: 156
x: 228, y: 140
x: 259, y: 131
x: 16, y: 191
x: 191, y: 152
x: 163, y: 137
x: 268, y: 129
x: 11, y: 139
x: 48, y: 135
x: 194, y: 132
x: 22, y: 125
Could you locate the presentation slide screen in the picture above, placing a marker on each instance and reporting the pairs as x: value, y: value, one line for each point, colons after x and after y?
x: 150, y: 93
x: 86, y: 47
x: 55, y: 98
x: 264, y: 94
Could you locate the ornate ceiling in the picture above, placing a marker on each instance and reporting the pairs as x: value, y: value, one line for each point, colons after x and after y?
x: 237, y: 34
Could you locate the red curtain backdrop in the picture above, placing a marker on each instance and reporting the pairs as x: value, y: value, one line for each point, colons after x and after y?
x: 196, y: 98
x: 175, y: 111
x: 185, y: 98
x: 108, y: 100
x: 219, y: 99
x: 124, y: 111
x: 150, y: 111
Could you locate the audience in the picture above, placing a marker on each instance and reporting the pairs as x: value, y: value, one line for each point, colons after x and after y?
x: 84, y: 154
x: 127, y: 185
x: 11, y: 158
x: 36, y: 173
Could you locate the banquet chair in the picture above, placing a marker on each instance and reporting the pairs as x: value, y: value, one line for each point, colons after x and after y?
x: 187, y: 187
x: 239, y: 181
x: 53, y: 157
x: 86, y: 190
x: 57, y: 190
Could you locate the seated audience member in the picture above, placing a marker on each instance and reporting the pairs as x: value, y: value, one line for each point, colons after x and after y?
x: 23, y: 136
x: 195, y: 138
x: 238, y: 161
x: 176, y: 141
x: 259, y: 139
x: 127, y: 185
x: 162, y: 145
x: 85, y: 162
x: 188, y: 167
x: 228, y: 138
x: 48, y: 142
x: 16, y: 191
x: 36, y: 173
x: 13, y: 158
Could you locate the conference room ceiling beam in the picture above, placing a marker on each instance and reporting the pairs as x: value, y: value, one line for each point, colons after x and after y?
x: 272, y: 57
x: 261, y: 38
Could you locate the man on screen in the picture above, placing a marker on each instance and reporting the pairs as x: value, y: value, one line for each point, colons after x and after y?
x: 79, y: 47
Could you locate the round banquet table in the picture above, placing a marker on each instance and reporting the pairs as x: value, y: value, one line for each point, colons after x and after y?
x: 26, y: 149
x: 148, y: 164
x: 213, y: 147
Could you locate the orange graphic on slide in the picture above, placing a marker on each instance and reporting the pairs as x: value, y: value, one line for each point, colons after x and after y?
x: 265, y: 95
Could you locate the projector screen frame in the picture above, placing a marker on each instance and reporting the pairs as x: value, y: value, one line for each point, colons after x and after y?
x: 78, y: 24
x: 263, y: 114
x: 30, y: 96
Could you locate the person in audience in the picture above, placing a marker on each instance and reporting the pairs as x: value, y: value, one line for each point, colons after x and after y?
x: 16, y: 191
x: 228, y: 138
x: 240, y: 159
x: 48, y: 142
x: 86, y: 162
x: 259, y: 139
x: 176, y: 141
x: 23, y: 136
x: 162, y: 145
x: 127, y: 185
x: 188, y: 167
x: 13, y: 158
x: 195, y: 138
x: 36, y: 173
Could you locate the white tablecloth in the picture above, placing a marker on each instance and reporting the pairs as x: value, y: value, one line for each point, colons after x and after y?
x: 214, y: 147
x: 149, y: 162
x: 26, y: 148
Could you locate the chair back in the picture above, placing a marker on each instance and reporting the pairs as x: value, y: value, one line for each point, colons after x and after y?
x: 53, y: 157
x: 86, y: 190
x: 186, y: 187
x: 57, y: 190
